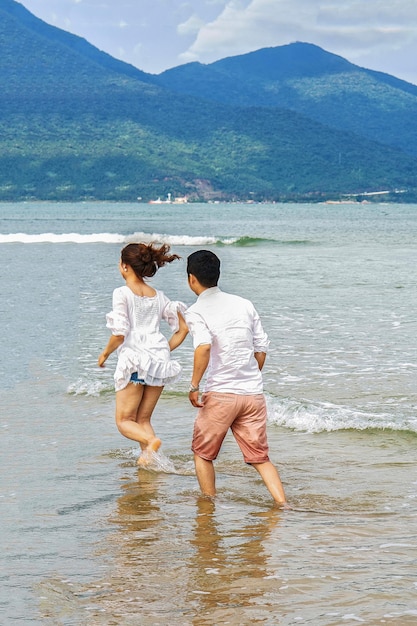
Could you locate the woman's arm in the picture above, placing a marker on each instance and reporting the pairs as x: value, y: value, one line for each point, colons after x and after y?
x: 178, y: 337
x: 114, y: 342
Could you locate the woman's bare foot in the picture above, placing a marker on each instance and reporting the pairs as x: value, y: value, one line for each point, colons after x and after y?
x: 146, y: 455
x: 154, y: 445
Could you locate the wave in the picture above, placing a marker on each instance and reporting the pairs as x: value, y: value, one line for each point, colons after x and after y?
x: 175, y: 240
x: 254, y: 241
x: 296, y: 415
x: 326, y: 417
x: 113, y: 238
x: 86, y: 386
x: 89, y: 387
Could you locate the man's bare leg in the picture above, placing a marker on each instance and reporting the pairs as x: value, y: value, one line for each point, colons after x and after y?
x: 205, y: 475
x: 270, y: 476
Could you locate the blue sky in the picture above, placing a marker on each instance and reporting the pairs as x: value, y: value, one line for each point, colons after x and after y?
x: 155, y: 35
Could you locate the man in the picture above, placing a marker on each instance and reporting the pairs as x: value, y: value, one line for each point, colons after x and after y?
x: 230, y: 343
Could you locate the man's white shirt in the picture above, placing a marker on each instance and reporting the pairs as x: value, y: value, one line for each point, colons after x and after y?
x: 232, y: 327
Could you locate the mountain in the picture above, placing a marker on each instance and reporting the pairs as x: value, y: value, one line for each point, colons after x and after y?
x: 304, y: 78
x: 43, y: 42
x: 76, y: 124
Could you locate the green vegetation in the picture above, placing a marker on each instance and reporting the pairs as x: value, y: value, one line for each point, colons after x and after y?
x: 77, y: 124
x: 304, y: 78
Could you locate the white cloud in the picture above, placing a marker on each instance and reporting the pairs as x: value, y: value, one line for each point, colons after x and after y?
x: 357, y: 30
x: 157, y: 34
x: 191, y: 27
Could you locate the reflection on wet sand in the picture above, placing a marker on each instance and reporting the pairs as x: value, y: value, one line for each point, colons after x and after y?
x: 165, y: 556
x: 175, y: 558
x: 229, y: 568
x: 191, y: 562
x: 148, y: 552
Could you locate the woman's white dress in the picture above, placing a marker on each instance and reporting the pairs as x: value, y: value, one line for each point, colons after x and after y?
x: 145, y: 349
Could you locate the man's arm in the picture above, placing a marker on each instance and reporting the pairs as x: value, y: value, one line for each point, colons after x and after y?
x: 201, y: 361
x: 260, y: 357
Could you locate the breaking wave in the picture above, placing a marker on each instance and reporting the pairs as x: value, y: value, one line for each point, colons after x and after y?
x: 309, y: 417
x: 116, y: 238
x: 296, y: 415
x: 177, y: 240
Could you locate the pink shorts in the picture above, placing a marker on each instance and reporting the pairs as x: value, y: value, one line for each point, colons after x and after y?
x: 244, y: 415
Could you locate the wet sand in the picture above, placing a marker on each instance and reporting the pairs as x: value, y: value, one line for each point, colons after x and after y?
x: 161, y: 554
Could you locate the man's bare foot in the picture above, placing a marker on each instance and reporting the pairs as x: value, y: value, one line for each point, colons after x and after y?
x: 284, y: 506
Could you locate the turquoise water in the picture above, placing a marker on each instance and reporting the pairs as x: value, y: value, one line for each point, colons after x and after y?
x: 90, y: 539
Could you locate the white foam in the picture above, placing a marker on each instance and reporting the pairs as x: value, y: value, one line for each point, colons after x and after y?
x: 111, y: 238
x: 161, y: 463
x: 62, y: 238
x: 318, y: 417
x: 87, y: 387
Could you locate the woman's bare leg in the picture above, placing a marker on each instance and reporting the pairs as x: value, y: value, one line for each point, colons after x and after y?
x: 144, y: 412
x: 134, y: 407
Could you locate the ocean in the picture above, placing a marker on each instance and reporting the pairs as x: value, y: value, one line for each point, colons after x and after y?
x: 88, y: 539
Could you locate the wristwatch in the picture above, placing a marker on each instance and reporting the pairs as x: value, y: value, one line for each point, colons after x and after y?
x: 193, y: 388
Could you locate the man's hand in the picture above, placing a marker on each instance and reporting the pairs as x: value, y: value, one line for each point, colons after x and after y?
x: 193, y: 397
x: 201, y: 361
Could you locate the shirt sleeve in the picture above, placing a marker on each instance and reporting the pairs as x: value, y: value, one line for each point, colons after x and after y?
x: 260, y: 338
x: 198, y: 329
x: 170, y: 310
x: 118, y: 319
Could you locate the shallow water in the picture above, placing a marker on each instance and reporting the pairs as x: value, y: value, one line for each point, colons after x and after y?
x: 89, y: 539
x: 92, y: 539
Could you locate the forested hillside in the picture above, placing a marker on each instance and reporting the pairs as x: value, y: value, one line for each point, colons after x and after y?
x: 304, y: 78
x: 77, y: 124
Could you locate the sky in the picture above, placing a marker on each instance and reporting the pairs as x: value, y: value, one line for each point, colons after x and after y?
x: 155, y: 35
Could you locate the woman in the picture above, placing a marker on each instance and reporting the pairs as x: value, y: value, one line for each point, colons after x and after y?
x: 144, y: 363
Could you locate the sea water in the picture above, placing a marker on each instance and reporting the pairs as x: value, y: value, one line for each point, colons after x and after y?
x: 88, y: 538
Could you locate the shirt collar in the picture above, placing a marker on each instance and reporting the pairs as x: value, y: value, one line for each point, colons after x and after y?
x: 208, y: 292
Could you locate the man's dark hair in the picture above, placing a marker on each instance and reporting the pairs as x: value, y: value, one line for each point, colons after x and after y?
x: 205, y: 266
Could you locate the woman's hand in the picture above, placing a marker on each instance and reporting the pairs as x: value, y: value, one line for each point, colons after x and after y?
x: 178, y: 337
x: 114, y: 342
x: 101, y: 360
